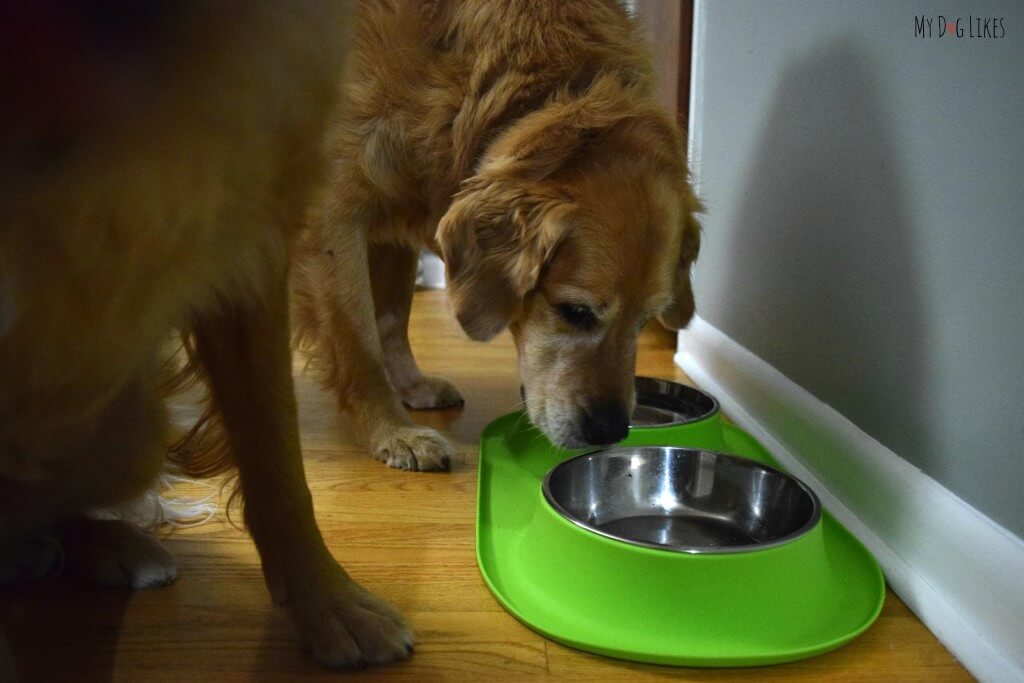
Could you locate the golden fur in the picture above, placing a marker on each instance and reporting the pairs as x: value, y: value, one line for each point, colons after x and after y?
x: 168, y: 203
x: 520, y: 140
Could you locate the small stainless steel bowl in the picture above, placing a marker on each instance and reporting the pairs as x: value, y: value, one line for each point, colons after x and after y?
x: 681, y: 499
x: 661, y: 403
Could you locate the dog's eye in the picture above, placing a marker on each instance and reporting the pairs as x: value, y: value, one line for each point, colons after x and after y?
x: 577, y: 315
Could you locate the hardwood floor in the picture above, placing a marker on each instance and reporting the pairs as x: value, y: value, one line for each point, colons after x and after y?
x: 406, y: 536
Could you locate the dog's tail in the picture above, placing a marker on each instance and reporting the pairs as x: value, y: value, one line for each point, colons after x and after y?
x: 203, y: 450
x: 164, y: 506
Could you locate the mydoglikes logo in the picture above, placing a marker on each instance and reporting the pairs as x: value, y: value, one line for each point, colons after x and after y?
x: 939, y: 26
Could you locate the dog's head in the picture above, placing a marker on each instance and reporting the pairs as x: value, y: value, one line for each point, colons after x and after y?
x: 577, y: 229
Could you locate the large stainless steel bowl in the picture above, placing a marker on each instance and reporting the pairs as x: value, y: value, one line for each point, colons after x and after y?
x: 661, y: 403
x: 681, y: 499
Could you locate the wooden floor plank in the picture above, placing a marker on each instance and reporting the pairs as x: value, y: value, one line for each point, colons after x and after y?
x: 408, y: 537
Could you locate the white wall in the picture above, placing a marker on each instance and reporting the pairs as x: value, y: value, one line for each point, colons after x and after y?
x: 865, y: 225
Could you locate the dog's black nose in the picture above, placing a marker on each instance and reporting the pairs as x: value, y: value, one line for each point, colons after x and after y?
x: 605, y: 422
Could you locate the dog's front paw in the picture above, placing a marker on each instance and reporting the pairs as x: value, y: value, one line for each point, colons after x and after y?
x: 347, y: 626
x: 414, y: 448
x: 116, y: 554
x: 430, y: 393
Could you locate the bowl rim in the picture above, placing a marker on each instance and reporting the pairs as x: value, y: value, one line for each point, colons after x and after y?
x: 715, y: 406
x: 813, y: 520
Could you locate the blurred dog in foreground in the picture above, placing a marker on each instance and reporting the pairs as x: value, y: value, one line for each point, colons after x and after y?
x: 155, y: 161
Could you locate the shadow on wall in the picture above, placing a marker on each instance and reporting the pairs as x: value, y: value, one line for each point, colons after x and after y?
x: 822, y: 281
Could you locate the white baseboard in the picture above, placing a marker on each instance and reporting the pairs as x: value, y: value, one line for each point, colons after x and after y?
x: 960, y: 572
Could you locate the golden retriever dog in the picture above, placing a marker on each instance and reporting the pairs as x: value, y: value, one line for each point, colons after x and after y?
x: 156, y: 163
x: 520, y: 140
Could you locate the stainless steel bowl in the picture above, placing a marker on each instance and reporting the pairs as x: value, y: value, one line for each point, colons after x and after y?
x: 682, y: 499
x: 660, y: 403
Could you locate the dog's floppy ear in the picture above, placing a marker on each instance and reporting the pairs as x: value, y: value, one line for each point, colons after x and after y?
x: 678, y: 314
x: 495, y: 238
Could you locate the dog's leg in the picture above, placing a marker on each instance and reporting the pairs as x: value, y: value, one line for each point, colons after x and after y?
x: 247, y: 357
x: 7, y: 671
x: 335, y: 275
x: 393, y: 279
x: 119, y: 459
